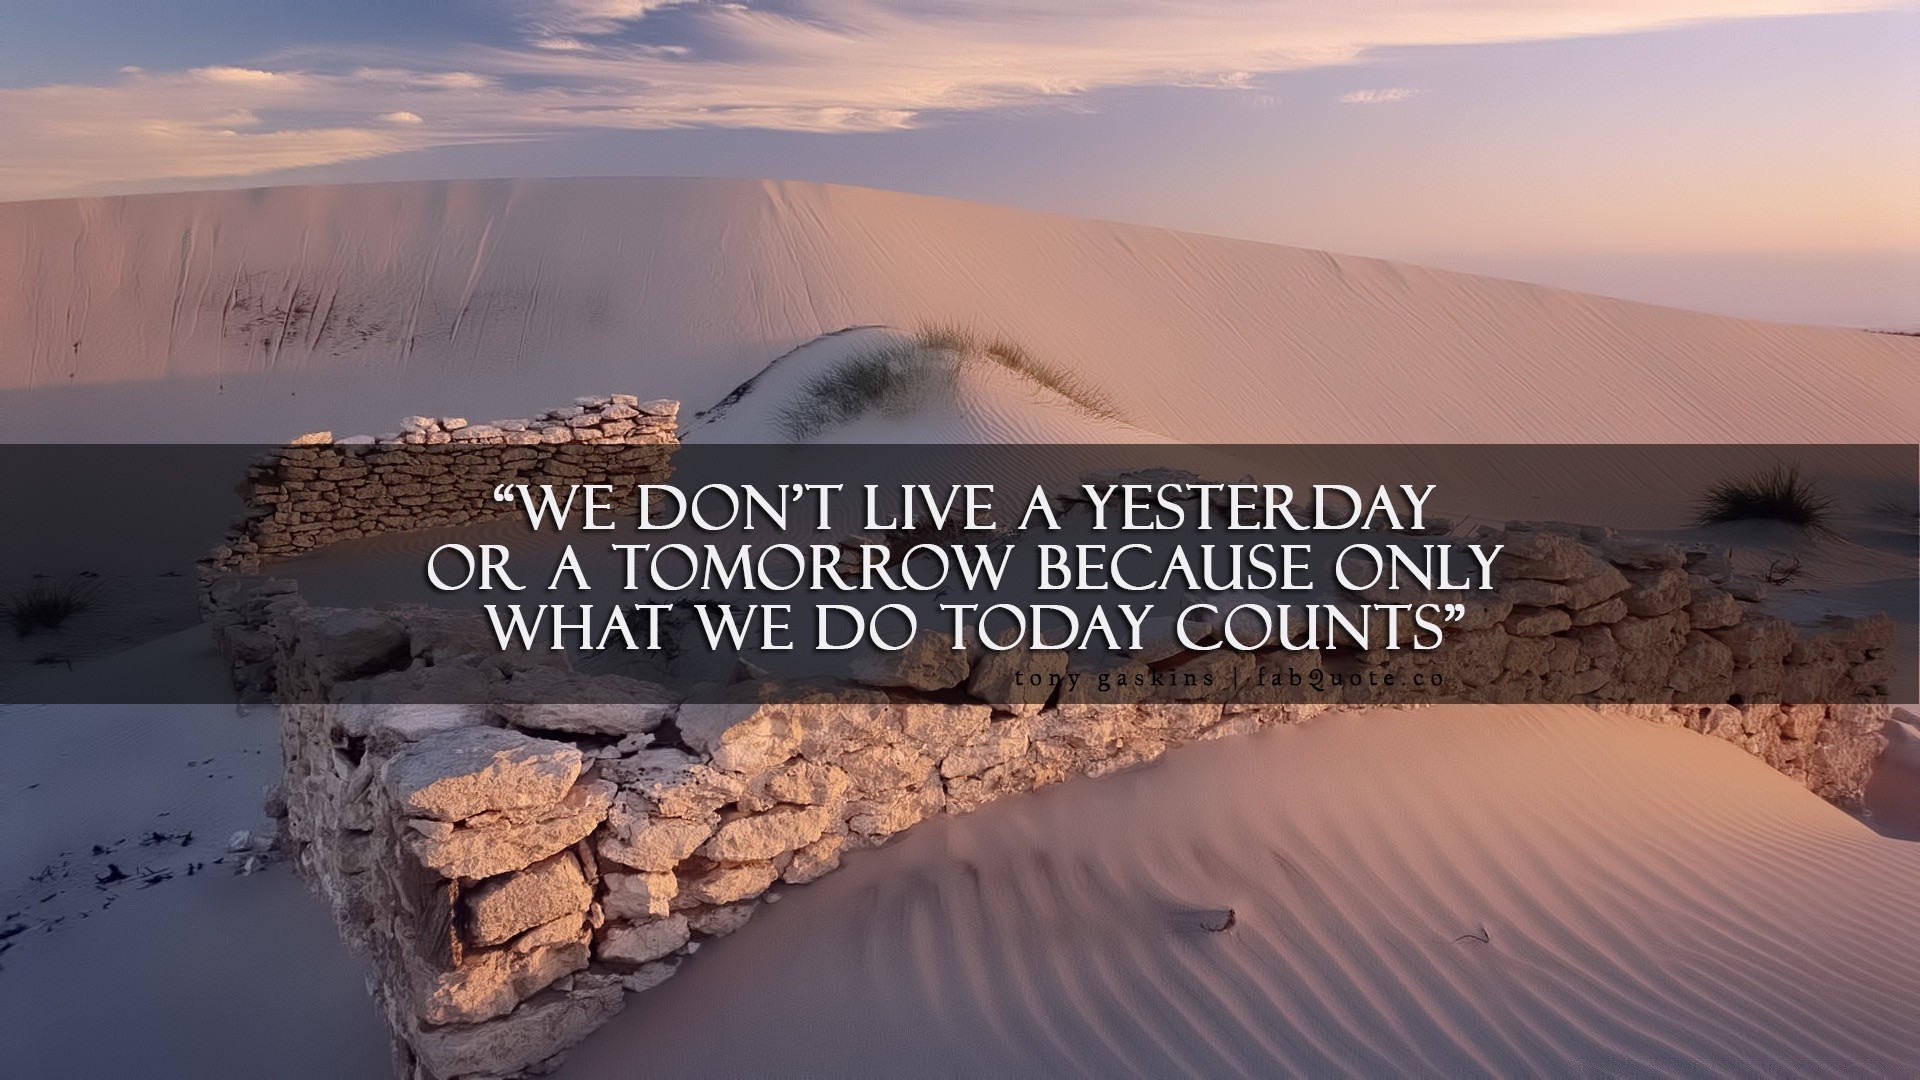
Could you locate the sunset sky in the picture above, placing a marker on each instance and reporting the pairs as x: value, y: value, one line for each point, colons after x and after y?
x: 1758, y: 157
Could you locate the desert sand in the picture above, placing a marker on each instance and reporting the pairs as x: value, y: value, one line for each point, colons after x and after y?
x: 1516, y: 891
x: 1494, y: 890
x: 238, y: 315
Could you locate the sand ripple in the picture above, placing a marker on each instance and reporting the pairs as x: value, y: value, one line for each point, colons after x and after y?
x: 1457, y: 892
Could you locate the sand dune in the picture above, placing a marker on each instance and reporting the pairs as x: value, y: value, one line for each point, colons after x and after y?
x: 252, y: 314
x: 1453, y: 892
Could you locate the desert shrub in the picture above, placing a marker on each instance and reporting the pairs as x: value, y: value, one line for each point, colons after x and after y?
x: 1015, y: 358
x: 47, y: 605
x: 1779, y: 494
x: 897, y: 376
x: 891, y: 378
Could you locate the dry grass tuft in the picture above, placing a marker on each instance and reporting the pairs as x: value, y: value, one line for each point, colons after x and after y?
x: 1779, y: 494
x: 898, y: 376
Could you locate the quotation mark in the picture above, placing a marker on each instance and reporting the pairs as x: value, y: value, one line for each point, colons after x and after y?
x: 1456, y: 612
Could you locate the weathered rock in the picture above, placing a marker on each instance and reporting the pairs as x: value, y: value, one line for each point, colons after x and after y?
x: 719, y: 921
x: 936, y: 729
x: 525, y: 1037
x: 886, y: 767
x: 929, y: 662
x: 501, y: 907
x: 1537, y: 622
x: 675, y: 785
x: 740, y: 737
x: 815, y: 859
x: 1709, y: 608
x: 647, y: 976
x: 490, y: 982
x: 1606, y: 611
x: 644, y: 895
x: 516, y: 839
x: 1637, y: 554
x: 1018, y: 680
x: 643, y: 840
x: 641, y: 943
x: 728, y: 883
x: 338, y: 644
x: 766, y: 835
x: 1530, y: 592
x: 456, y: 774
x: 802, y: 783
x: 1540, y: 556
x: 549, y: 699
x: 1001, y: 742
x: 1657, y: 591
x: 390, y: 726
x: 1758, y: 640
x: 1601, y: 582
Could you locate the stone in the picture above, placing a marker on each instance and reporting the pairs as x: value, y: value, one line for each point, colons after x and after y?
x: 339, y: 644
x: 641, y: 943
x: 312, y: 438
x: 660, y: 407
x: 1601, y: 583
x: 568, y: 927
x: 766, y: 835
x: 1606, y: 611
x: 884, y: 815
x: 1001, y: 742
x: 727, y: 883
x: 391, y: 726
x: 1638, y: 554
x: 723, y: 920
x: 644, y: 895
x: 993, y: 674
x: 453, y: 775
x: 1537, y: 621
x: 886, y: 767
x: 739, y: 737
x: 647, y: 976
x: 1710, y: 608
x: 1539, y: 556
x: 673, y: 783
x: 1758, y: 640
x: 639, y: 839
x: 815, y: 859
x: 1658, y: 591
x: 802, y: 783
x: 1702, y: 671
x: 552, y: 699
x: 489, y: 983
x: 531, y: 1034
x: 508, y: 844
x: 928, y: 662
x: 937, y: 729
x: 502, y: 907
x: 1533, y: 593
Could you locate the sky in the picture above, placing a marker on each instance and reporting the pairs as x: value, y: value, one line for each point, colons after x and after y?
x: 1754, y: 157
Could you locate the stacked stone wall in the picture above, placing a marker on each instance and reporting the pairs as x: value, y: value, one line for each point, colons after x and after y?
x: 436, y: 472
x: 518, y: 845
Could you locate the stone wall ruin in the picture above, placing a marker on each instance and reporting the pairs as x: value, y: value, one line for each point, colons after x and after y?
x: 517, y: 845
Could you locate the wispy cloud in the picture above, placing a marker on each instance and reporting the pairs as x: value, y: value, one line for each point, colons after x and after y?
x: 1383, y: 96
x: 809, y: 65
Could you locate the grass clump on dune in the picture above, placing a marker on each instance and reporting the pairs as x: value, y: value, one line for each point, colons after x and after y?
x: 892, y: 378
x: 896, y: 377
x: 1779, y: 494
x: 47, y: 605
